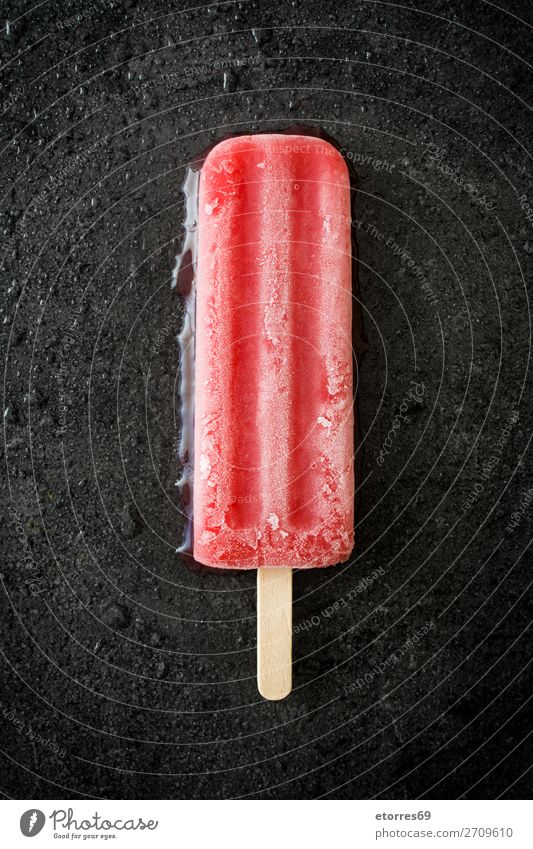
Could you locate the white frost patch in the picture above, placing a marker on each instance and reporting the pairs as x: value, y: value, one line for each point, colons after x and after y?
x: 229, y: 166
x: 284, y: 534
x: 273, y: 521
x: 205, y: 467
x: 209, y: 207
x: 337, y: 376
x: 274, y: 315
x: 324, y: 422
x: 261, y: 164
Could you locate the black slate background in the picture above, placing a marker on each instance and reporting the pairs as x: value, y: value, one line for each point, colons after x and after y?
x: 127, y: 671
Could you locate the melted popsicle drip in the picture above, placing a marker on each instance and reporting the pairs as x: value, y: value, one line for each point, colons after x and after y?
x: 184, y: 282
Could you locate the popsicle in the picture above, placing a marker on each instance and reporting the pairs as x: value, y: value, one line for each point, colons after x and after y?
x: 274, y: 421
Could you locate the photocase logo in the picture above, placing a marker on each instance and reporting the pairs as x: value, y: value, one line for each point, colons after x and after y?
x: 31, y: 822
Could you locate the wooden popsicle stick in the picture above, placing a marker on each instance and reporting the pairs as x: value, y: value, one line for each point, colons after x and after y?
x: 274, y: 632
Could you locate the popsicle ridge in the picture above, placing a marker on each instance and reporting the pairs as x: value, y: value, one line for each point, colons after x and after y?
x: 274, y: 397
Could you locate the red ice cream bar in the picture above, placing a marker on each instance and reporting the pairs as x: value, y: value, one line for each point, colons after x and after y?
x: 274, y: 475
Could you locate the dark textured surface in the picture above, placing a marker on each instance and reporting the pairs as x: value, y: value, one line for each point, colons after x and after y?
x: 129, y: 673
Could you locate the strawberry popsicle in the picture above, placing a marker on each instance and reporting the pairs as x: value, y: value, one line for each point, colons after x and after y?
x: 273, y: 432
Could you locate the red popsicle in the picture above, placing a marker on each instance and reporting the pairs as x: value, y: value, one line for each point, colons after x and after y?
x: 274, y: 478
